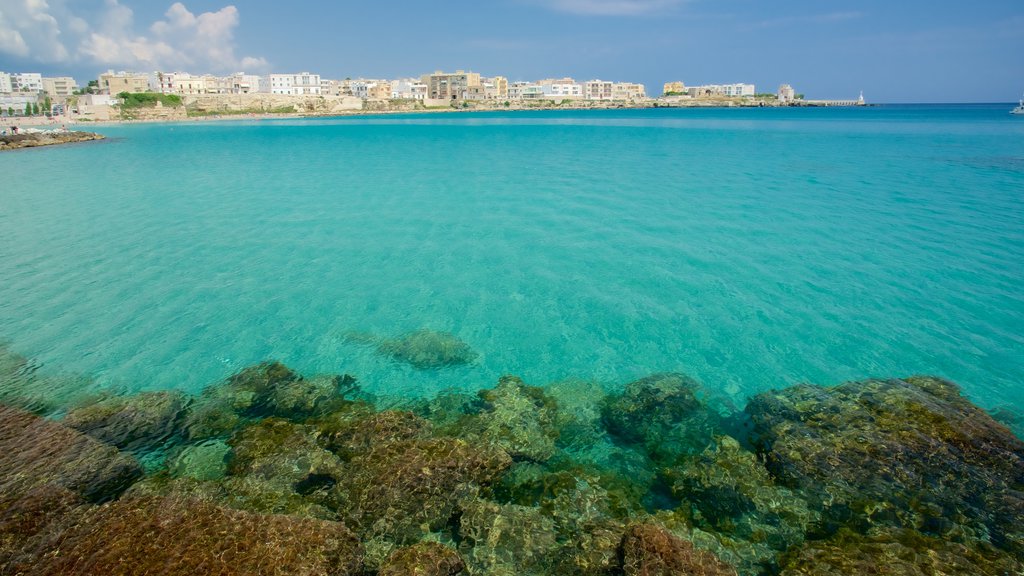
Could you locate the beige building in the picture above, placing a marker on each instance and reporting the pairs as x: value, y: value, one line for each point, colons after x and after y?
x: 675, y: 88
x: 457, y: 86
x: 597, y: 90
x: 115, y: 83
x: 188, y: 85
x: 60, y: 87
x: 628, y: 91
x: 496, y: 87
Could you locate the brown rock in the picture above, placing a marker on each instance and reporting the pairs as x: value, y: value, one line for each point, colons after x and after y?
x: 423, y: 559
x: 649, y: 550
x: 35, y: 451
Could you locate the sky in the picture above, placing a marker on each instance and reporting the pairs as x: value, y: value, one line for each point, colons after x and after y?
x: 893, y: 50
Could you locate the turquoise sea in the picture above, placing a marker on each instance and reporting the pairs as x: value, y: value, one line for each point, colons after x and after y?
x: 749, y: 248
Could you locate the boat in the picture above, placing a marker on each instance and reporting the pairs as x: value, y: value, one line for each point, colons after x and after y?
x: 1019, y: 109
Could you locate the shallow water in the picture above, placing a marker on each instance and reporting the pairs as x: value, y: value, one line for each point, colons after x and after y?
x: 750, y: 249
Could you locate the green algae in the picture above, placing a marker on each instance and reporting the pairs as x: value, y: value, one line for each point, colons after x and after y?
x: 520, y: 479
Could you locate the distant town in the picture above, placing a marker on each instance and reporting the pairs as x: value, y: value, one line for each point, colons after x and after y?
x: 120, y: 95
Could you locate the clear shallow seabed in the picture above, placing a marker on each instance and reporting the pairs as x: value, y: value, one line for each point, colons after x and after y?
x: 751, y: 249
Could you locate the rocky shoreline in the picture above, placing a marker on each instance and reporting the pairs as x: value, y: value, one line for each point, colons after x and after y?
x: 273, y: 472
x: 46, y: 138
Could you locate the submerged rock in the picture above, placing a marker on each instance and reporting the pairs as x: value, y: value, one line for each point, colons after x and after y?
x: 427, y: 349
x: 188, y: 537
x: 521, y: 419
x: 36, y: 452
x: 423, y: 559
x: 49, y: 138
x: 906, y: 453
x: 23, y: 386
x: 897, y: 553
x: 402, y: 489
x: 508, y: 539
x: 204, y: 461
x: 132, y: 422
x: 729, y: 493
x: 267, y: 389
x: 649, y: 550
x: 663, y: 414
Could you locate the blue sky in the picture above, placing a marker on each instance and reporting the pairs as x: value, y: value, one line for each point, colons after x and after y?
x: 896, y: 51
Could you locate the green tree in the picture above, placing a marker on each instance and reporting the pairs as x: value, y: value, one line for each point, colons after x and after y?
x: 28, y: 109
x: 35, y: 109
x: 47, y: 105
x: 10, y: 111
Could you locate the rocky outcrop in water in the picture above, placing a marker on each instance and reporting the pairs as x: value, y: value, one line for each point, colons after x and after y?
x: 50, y: 138
x: 427, y: 349
x: 877, y: 477
x: 36, y: 452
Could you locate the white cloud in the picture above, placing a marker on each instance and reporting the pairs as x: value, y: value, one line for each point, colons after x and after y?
x: 109, y: 37
x: 28, y: 30
x: 611, y: 7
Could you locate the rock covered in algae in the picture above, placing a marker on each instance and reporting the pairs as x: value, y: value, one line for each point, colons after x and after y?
x: 649, y: 550
x: 423, y: 559
x: 267, y: 389
x: 907, y: 453
x: 663, y: 414
x: 35, y: 452
x: 204, y: 461
x: 279, y: 466
x: 187, y: 537
x: 426, y: 349
x: 521, y: 419
x: 897, y: 553
x: 507, y: 539
x: 403, y: 489
x: 131, y: 422
x: 729, y: 493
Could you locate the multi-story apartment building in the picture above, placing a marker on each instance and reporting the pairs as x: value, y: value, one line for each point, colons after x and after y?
x: 6, y: 87
x: 628, y: 91
x: 597, y: 90
x: 448, y: 86
x: 496, y: 87
x: 408, y: 89
x: 728, y: 90
x: 115, y: 83
x: 525, y: 91
x: 27, y: 82
x: 299, y: 84
x: 371, y: 89
x: 242, y: 83
x: 562, y: 89
x: 59, y: 87
x: 189, y: 85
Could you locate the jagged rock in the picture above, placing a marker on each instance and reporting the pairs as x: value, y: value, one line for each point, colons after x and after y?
x: 729, y: 493
x: 427, y: 349
x: 267, y: 389
x: 897, y: 553
x: 507, y: 539
x: 906, y: 453
x: 50, y: 138
x: 648, y: 550
x: 404, y: 488
x: 35, y: 452
x: 132, y: 422
x: 663, y: 414
x: 188, y: 537
x: 518, y: 418
x: 423, y: 559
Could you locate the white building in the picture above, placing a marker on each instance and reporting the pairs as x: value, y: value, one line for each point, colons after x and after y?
x: 27, y: 82
x: 291, y: 84
x: 242, y: 83
x: 786, y: 93
x: 728, y: 90
x: 628, y: 91
x: 5, y: 83
x: 525, y: 91
x: 408, y: 89
x: 564, y: 89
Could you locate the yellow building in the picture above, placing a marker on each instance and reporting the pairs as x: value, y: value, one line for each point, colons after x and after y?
x: 114, y: 83
x: 674, y: 88
x: 60, y: 87
x: 447, y: 86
